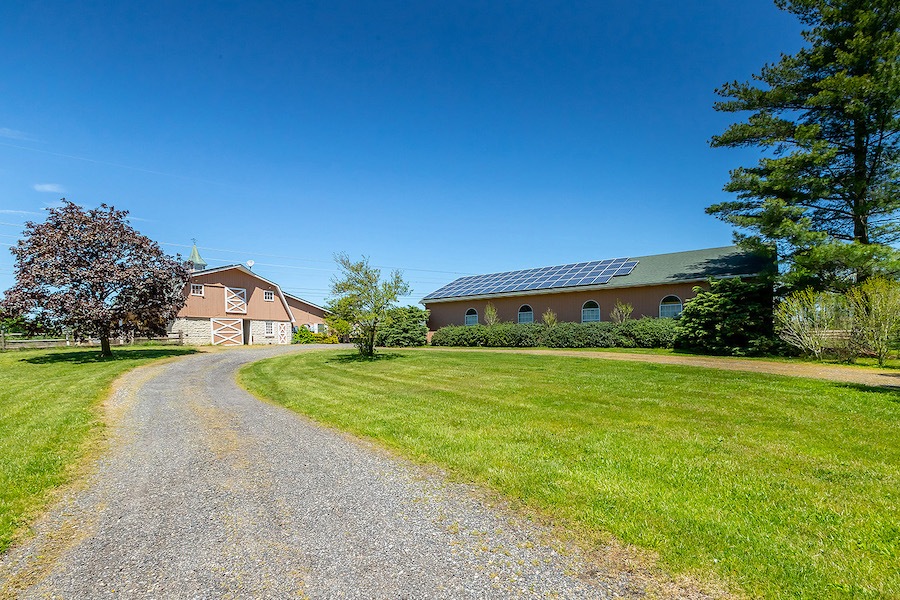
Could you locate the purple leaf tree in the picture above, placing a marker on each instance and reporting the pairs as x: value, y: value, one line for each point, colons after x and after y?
x: 91, y: 272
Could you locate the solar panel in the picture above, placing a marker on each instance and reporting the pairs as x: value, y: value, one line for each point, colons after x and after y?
x: 562, y: 276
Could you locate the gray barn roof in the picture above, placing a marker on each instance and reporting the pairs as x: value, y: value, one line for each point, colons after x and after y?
x: 658, y: 269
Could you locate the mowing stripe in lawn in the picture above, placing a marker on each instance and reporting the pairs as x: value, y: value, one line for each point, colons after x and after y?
x: 784, y: 487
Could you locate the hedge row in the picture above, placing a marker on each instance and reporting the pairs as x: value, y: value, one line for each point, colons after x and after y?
x: 638, y: 333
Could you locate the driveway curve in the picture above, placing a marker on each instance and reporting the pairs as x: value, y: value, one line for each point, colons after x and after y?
x: 204, y: 491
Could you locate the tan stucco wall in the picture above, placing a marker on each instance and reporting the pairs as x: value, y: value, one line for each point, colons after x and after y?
x: 212, y: 303
x: 567, y: 305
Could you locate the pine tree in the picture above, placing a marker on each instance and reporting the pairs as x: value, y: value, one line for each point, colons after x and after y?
x: 826, y: 192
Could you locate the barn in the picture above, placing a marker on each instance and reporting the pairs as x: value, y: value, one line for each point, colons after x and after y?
x: 232, y: 305
x: 656, y: 286
x: 306, y: 314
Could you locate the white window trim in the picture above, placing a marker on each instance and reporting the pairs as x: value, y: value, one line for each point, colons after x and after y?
x: 530, y: 311
x: 474, y: 314
x: 680, y: 303
x: 270, y: 328
x: 202, y: 289
x: 268, y: 295
x: 599, y: 317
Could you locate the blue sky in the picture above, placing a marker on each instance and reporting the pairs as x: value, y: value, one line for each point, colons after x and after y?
x: 444, y: 138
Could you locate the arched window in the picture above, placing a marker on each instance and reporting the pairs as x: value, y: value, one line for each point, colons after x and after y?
x: 590, y: 312
x: 670, y: 307
x: 526, y: 315
x: 471, y: 317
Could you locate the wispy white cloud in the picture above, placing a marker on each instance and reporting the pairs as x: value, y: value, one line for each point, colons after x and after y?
x: 12, y: 134
x: 110, y: 164
x: 20, y: 212
x: 49, y: 187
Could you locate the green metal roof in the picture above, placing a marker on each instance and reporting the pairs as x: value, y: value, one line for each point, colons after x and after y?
x: 693, y: 265
x: 657, y: 269
x: 195, y: 259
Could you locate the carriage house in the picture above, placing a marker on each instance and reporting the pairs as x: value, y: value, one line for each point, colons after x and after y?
x: 655, y: 286
x: 232, y: 305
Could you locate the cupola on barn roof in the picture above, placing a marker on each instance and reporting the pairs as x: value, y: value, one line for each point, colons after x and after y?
x: 197, y: 263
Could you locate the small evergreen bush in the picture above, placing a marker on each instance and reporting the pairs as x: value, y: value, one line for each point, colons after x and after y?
x: 405, y: 327
x: 732, y: 317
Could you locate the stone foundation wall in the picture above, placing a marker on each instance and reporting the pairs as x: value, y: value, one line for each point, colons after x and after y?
x: 196, y: 331
x: 258, y: 332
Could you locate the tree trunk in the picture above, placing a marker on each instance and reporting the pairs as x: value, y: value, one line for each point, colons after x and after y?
x: 860, y: 184
x: 371, y: 343
x: 105, y: 350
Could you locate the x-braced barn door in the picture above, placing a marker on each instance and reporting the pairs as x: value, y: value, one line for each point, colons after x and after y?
x: 235, y: 300
x: 227, y: 332
x: 283, y: 333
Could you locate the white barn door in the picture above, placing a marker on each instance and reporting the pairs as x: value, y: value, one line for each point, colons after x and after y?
x: 235, y: 300
x: 283, y: 330
x: 227, y: 332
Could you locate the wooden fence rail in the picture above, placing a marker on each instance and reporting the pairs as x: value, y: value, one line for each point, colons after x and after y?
x: 16, y: 342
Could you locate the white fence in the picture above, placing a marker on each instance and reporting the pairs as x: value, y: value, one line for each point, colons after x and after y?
x: 14, y: 341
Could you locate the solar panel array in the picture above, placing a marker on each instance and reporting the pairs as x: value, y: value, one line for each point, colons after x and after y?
x: 562, y: 276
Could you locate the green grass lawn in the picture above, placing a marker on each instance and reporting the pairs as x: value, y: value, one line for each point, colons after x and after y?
x: 49, y: 415
x: 782, y: 487
x: 860, y: 362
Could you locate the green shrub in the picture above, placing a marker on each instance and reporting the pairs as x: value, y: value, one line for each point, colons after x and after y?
x: 731, y: 317
x: 529, y: 335
x: 324, y: 338
x: 499, y: 335
x: 404, y: 327
x: 648, y: 332
x: 459, y: 335
x: 303, y: 336
x: 512, y: 335
x: 642, y: 333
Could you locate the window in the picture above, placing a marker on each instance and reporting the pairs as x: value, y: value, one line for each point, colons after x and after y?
x: 270, y: 328
x: 670, y: 307
x: 471, y: 317
x: 590, y: 312
x: 269, y: 296
x: 526, y: 315
x: 196, y: 289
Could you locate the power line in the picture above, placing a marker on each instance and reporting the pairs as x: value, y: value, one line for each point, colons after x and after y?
x: 316, y: 260
x: 274, y: 265
x: 111, y: 164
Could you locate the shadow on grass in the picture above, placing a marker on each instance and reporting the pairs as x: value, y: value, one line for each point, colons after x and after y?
x: 892, y: 390
x: 94, y: 356
x: 356, y: 357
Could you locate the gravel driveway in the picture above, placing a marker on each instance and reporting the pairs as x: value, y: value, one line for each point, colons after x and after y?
x: 206, y: 492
